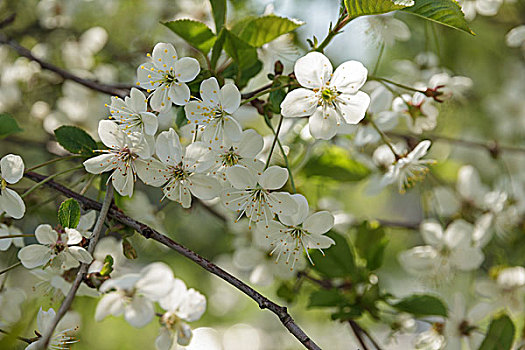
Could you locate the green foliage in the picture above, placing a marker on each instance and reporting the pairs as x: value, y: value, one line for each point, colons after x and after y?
x: 244, y: 55
x: 217, y: 48
x: 370, y: 244
x: 357, y: 8
x: 107, y: 268
x: 257, y: 31
x: 197, y: 34
x: 75, y: 140
x: 500, y: 335
x: 326, y: 298
x: 219, y: 13
x: 69, y: 213
x: 287, y: 292
x: 335, y: 163
x: 339, y: 260
x: 446, y: 12
x: 8, y: 125
x: 422, y: 305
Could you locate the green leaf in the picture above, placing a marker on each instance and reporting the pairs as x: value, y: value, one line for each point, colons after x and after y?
x: 197, y: 34
x: 446, y: 12
x: 335, y: 163
x: 219, y: 13
x: 338, y: 260
x: 244, y: 55
x: 370, y: 244
x: 326, y: 298
x: 217, y: 48
x: 8, y: 125
x: 286, y: 292
x: 75, y: 140
x: 69, y: 213
x: 356, y: 8
x: 261, y: 30
x: 422, y: 305
x: 500, y: 335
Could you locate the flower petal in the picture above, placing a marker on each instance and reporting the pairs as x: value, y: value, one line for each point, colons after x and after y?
x: 302, y: 212
x: 11, y: 168
x: 204, y: 186
x: 150, y: 121
x: 299, y: 103
x: 230, y: 98
x: 137, y: 101
x: 323, y: 124
x: 101, y: 163
x: 12, y: 203
x: 240, y: 177
x: 313, y: 70
x: 209, y: 91
x: 251, y: 144
x: 110, y: 304
x: 152, y: 172
x: 156, y: 281
x: 432, y: 233
x: 81, y: 254
x: 110, y: 134
x: 164, y: 54
x: 34, y: 255
x: 168, y: 147
x: 319, y: 222
x: 353, y: 107
x: 158, y: 99
x: 46, y: 235
x: 123, y: 181
x: 349, y: 77
x: 273, y: 178
x: 179, y: 93
x: 187, y: 69
x: 73, y: 236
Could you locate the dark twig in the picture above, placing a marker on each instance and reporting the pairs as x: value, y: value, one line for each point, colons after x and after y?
x: 119, y: 90
x: 148, y: 232
x: 26, y: 340
x: 357, y: 331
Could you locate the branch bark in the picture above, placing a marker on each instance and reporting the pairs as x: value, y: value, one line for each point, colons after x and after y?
x: 150, y: 233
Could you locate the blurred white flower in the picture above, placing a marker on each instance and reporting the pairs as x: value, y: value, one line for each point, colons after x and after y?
x: 451, y: 87
x: 131, y: 114
x: 11, y: 171
x: 419, y: 112
x: 516, y: 38
x: 506, y: 291
x: 11, y: 299
x: 60, y: 339
x: 386, y: 29
x: 330, y: 100
x: 5, y: 243
x: 166, y: 76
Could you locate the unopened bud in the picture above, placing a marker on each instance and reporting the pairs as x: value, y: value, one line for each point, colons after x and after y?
x: 128, y: 250
x: 278, y: 68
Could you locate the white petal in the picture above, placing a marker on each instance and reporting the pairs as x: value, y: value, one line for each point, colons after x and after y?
x: 323, y: 124
x: 152, y: 172
x: 151, y: 123
x: 420, y: 150
x: 283, y: 203
x: 193, y: 306
x: 123, y: 181
x: 12, y: 203
x: 184, y: 334
x: 204, y: 186
x: 210, y: 91
x: 313, y: 70
x: 232, y: 129
x: 301, y: 214
x: 299, y: 103
x: 110, y: 304
x: 101, y: 163
x: 172, y: 300
x: 5, y: 243
x: 240, y: 177
x: 164, y: 54
x: 432, y: 233
x: 110, y: 134
x: 467, y: 259
x: 349, y: 77
x: 168, y: 147
x: 11, y: 168
x: 419, y: 260
x: 44, y: 319
x: 159, y: 99
x: 164, y: 340
x: 251, y: 144
x: 179, y: 93
x: 34, y: 255
x: 81, y: 254
x: 319, y: 222
x: 353, y: 107
x: 273, y: 178
x: 87, y: 221
x: 137, y: 101
x: 156, y: 281
x: 139, y: 313
x: 46, y: 235
x: 187, y: 69
x: 230, y: 98
x: 458, y: 233
x: 318, y: 241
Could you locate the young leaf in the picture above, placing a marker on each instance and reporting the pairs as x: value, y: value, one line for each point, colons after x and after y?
x: 244, y: 55
x: 217, y: 48
x: 69, y: 213
x: 286, y: 292
x: 75, y: 140
x: 325, y: 298
x: 197, y: 34
x: 8, y: 125
x: 422, y: 305
x: 219, y: 13
x: 500, y: 335
x: 356, y: 8
x: 335, y: 163
x: 446, y: 12
x: 370, y: 243
x: 338, y: 260
x: 261, y: 30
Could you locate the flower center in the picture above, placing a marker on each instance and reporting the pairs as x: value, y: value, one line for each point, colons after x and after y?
x: 178, y: 172
x: 230, y: 158
x: 126, y: 155
x: 465, y: 328
x: 170, y: 320
x: 328, y: 95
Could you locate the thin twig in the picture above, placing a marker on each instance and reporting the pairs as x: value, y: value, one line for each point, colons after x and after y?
x: 10, y: 268
x: 66, y: 304
x: 26, y: 340
x: 120, y: 91
x: 357, y: 333
x: 365, y: 332
x: 148, y: 232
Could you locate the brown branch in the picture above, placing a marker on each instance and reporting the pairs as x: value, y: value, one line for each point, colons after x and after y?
x: 148, y: 232
x: 357, y: 331
x: 117, y: 90
x: 26, y: 340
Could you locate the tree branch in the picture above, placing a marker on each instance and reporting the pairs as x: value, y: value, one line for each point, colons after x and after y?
x: 148, y: 232
x: 117, y: 90
x: 66, y: 304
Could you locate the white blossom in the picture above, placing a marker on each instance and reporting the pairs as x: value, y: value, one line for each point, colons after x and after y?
x: 215, y: 112
x: 166, y: 76
x: 5, y: 243
x: 61, y: 339
x: 330, y: 100
x: 183, y: 171
x: 133, y: 294
x: 11, y: 171
x: 11, y: 300
x: 419, y: 112
x: 125, y: 151
x: 253, y: 194
x: 131, y: 114
x: 386, y: 29
x: 58, y: 250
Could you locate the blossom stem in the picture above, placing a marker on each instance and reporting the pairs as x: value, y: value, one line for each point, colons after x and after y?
x: 148, y: 232
x: 263, y: 92
x: 358, y: 335
x: 10, y: 268
x: 402, y: 86
x: 26, y: 340
x: 37, y: 185
x: 379, y: 57
x: 276, y: 137
x: 343, y: 20
x: 17, y: 236
x: 54, y: 161
x: 385, y: 139
x: 66, y: 304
